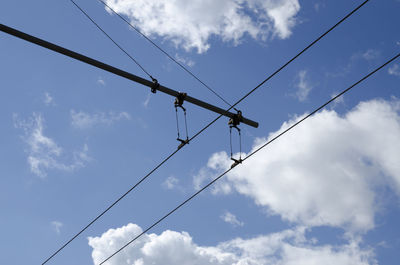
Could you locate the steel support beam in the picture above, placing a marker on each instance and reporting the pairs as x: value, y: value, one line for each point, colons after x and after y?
x: 119, y: 72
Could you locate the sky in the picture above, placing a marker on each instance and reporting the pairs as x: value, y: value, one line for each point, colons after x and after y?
x: 74, y: 138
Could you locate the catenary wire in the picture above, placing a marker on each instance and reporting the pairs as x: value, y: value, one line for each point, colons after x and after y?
x: 167, y: 54
x: 197, y: 134
x: 251, y: 154
x: 110, y: 38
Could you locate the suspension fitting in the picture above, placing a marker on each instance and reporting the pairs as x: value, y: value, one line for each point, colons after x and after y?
x: 179, y: 100
x: 234, y: 123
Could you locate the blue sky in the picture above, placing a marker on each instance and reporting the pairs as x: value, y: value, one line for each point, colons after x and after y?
x: 74, y: 138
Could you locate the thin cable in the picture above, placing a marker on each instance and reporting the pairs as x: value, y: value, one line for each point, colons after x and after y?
x: 109, y: 37
x: 240, y: 145
x: 251, y: 154
x: 169, y: 56
x: 177, y: 122
x: 192, y: 138
x: 187, y: 134
x: 230, y: 140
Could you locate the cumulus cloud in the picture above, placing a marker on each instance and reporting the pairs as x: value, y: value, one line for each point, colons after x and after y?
x: 191, y: 24
x: 325, y: 171
x: 304, y: 87
x: 394, y: 70
x: 83, y: 120
x: 230, y: 218
x: 288, y: 247
x: 43, y: 152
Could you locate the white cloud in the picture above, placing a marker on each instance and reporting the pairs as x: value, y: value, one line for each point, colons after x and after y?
x: 337, y: 101
x: 147, y: 100
x: 230, y: 218
x: 288, y: 247
x: 43, y: 152
x: 394, y: 70
x: 101, y: 81
x: 57, y: 225
x: 171, y: 182
x: 282, y: 13
x: 303, y: 85
x: 83, y: 120
x: 185, y: 61
x: 325, y: 171
x: 48, y: 99
x: 319, y: 6
x: 191, y: 24
x: 370, y: 54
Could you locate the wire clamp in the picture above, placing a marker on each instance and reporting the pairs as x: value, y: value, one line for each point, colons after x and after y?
x: 236, y: 162
x: 183, y: 143
x: 155, y: 85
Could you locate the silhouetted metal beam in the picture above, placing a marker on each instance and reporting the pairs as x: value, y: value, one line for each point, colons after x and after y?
x: 120, y: 72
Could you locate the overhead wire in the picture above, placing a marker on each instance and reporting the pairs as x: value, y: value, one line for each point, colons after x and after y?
x: 197, y: 134
x: 248, y: 156
x: 166, y: 53
x: 110, y: 38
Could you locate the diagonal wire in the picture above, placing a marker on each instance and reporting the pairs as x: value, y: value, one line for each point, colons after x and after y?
x: 167, y: 54
x: 251, y: 154
x: 109, y: 37
x: 194, y: 136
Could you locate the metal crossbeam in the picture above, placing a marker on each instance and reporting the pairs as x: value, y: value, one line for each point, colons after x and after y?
x: 122, y: 73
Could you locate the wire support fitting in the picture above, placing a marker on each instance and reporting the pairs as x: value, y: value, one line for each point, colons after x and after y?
x: 235, y: 120
x: 179, y: 100
x: 155, y: 85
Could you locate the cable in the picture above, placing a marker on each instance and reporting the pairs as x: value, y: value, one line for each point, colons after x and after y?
x: 169, y: 56
x: 109, y: 37
x: 251, y: 154
x: 193, y: 137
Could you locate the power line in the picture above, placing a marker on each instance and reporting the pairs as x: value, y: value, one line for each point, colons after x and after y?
x: 167, y: 54
x: 251, y: 154
x: 199, y: 132
x: 109, y: 37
